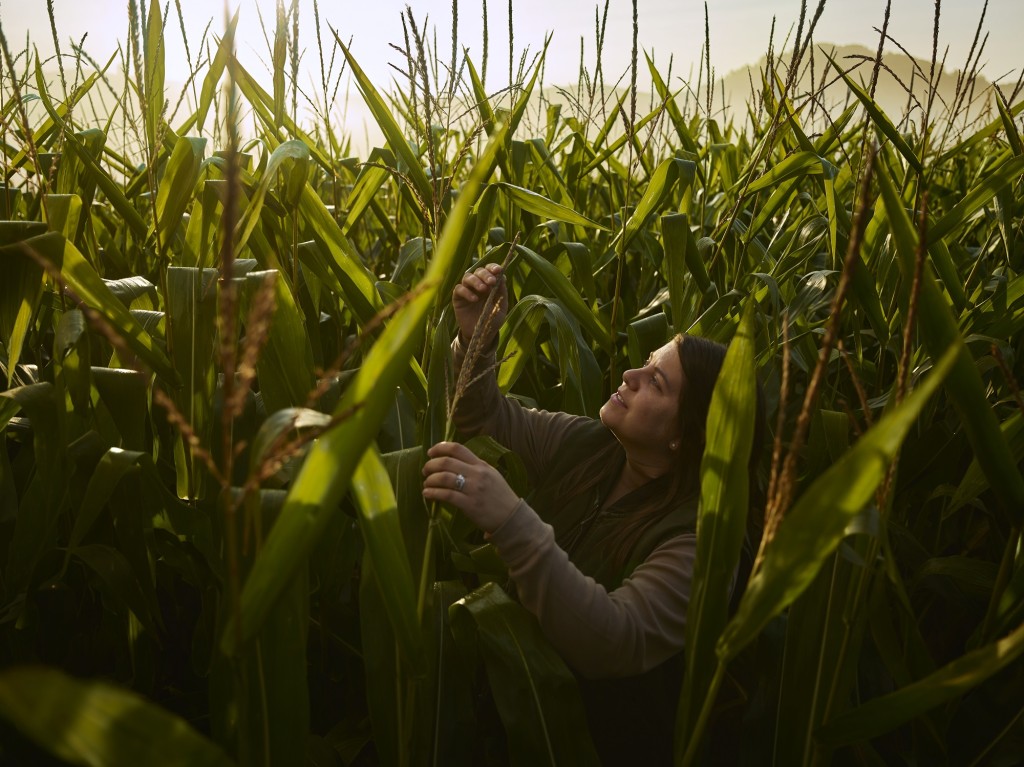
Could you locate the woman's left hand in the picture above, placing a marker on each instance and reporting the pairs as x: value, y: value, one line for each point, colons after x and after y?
x: 482, y: 494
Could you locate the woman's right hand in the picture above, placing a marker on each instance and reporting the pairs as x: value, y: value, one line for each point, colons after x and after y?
x: 470, y: 295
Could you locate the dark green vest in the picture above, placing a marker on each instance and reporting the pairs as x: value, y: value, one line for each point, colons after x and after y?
x: 632, y: 718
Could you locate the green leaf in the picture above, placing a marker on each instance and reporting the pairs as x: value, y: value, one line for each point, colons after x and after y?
x: 536, y: 694
x: 153, y: 56
x: 290, y: 158
x: 1012, y: 133
x: 327, y: 471
x: 674, y: 113
x: 42, y: 500
x: 285, y: 366
x: 95, y: 174
x: 483, y: 103
x: 95, y: 723
x: 721, y: 521
x: 939, y: 331
x: 977, y: 197
x: 567, y: 295
x: 542, y: 206
x: 392, y: 132
x: 661, y: 184
x: 192, y: 317
x: 125, y: 393
x: 961, y: 149
x: 888, y: 712
x: 91, y: 290
x: 116, y: 573
x: 807, y: 536
x: 20, y: 291
x: 112, y: 467
x: 262, y: 104
x: 130, y: 289
x: 382, y: 534
x: 346, y: 265
x: 974, y: 481
x: 880, y: 119
x: 797, y: 165
x: 216, y: 69
x: 177, y: 185
x: 63, y: 212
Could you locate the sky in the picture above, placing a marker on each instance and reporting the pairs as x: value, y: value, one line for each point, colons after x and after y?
x: 739, y: 31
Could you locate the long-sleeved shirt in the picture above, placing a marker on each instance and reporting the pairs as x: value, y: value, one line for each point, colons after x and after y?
x: 602, y: 628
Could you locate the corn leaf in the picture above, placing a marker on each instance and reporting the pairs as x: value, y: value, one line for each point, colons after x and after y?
x: 96, y: 723
x: 888, y: 712
x: 153, y: 58
x: 669, y: 174
x: 880, y: 119
x: 567, y: 294
x: 542, y: 206
x: 721, y: 521
x: 940, y: 332
x: 535, y: 692
x: 392, y: 132
x: 807, y: 536
x: 327, y: 471
x: 91, y: 290
x: 382, y: 534
x: 177, y: 185
x: 975, y: 199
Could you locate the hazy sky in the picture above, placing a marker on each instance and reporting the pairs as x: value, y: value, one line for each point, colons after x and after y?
x: 739, y: 32
x: 739, y: 29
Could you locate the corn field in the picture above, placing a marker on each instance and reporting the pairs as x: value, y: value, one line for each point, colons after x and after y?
x: 225, y: 346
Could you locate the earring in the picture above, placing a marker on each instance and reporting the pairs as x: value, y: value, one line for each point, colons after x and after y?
x: 674, y: 445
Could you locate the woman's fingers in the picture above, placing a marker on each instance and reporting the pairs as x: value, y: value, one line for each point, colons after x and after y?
x: 462, y: 292
x: 454, y: 450
x: 454, y: 475
x: 483, y: 278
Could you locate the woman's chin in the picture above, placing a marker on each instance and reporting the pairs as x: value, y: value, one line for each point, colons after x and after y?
x: 607, y: 415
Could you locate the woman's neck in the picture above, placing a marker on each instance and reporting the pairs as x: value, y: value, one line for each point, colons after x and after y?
x: 633, y: 475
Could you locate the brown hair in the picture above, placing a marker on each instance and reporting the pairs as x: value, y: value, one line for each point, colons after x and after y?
x: 702, y: 361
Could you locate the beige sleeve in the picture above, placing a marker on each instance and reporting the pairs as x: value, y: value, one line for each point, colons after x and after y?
x: 535, y: 435
x: 600, y: 634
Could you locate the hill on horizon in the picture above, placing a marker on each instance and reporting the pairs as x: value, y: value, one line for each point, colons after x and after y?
x: 732, y: 94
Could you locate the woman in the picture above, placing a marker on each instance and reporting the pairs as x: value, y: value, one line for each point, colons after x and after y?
x: 602, y: 550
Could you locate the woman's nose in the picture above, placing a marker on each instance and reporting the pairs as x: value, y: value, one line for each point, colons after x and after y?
x: 630, y: 376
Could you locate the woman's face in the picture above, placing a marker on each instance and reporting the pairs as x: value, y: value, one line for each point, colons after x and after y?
x: 643, y: 412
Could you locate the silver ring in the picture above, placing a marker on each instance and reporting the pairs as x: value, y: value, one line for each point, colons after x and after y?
x: 460, y: 482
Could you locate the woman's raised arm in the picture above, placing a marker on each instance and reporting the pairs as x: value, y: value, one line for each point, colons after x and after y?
x: 535, y: 435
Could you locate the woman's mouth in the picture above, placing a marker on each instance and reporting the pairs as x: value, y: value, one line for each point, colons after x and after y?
x: 618, y: 399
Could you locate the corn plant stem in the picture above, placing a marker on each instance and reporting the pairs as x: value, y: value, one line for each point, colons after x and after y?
x: 705, y: 714
x: 263, y: 703
x: 228, y: 353
x: 884, y: 499
x: 295, y: 252
x: 428, y: 561
x: 403, y: 741
x: 1002, y: 579
x: 770, y: 134
x: 979, y: 759
x: 33, y: 153
x: 779, y: 502
x: 482, y: 330
x: 809, y: 750
x: 440, y: 688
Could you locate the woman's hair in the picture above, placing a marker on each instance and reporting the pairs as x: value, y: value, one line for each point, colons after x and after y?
x: 702, y: 362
